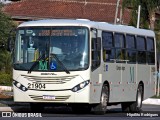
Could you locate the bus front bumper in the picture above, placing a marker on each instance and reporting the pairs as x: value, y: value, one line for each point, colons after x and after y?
x: 61, y: 96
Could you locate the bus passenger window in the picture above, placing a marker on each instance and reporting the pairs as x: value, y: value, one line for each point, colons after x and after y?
x: 108, y: 50
x: 96, y: 50
x: 130, y: 48
x: 119, y: 46
x: 150, y: 51
x: 131, y: 56
x: 141, y: 56
x: 120, y: 54
x: 130, y: 41
x: 95, y: 53
x: 108, y: 54
x: 141, y: 47
x: 119, y: 40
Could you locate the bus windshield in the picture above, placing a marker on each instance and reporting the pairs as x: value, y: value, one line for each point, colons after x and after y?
x: 35, y: 47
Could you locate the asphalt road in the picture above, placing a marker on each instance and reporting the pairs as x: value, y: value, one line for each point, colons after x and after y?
x: 65, y: 113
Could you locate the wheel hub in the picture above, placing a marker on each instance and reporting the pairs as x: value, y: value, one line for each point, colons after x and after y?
x: 104, y: 100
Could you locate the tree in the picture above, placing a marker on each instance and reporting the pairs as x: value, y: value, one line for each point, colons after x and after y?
x: 148, y: 10
x: 6, y: 24
x: 152, y: 7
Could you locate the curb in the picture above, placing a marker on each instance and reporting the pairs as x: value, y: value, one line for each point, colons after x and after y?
x: 6, y: 88
x: 151, y: 101
x: 8, y: 109
x: 15, y: 108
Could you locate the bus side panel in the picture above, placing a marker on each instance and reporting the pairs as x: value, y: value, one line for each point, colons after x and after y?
x: 144, y: 74
x: 96, y: 85
x: 149, y: 87
x: 112, y: 74
x: 128, y: 84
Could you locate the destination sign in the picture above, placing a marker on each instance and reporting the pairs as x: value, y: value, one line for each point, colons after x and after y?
x: 57, y: 33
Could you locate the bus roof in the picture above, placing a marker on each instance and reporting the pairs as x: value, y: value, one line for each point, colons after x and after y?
x: 91, y: 24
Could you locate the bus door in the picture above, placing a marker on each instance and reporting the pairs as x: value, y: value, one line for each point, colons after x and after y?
x: 96, y: 76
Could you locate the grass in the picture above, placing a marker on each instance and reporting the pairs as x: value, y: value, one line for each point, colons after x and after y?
x: 155, y: 96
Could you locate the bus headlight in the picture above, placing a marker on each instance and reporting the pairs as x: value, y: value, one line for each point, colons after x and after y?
x: 20, y: 86
x: 80, y: 86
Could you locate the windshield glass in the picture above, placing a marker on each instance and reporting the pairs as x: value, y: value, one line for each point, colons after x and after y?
x: 36, y: 48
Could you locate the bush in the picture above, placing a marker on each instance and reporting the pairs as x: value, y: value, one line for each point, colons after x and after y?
x: 5, y: 79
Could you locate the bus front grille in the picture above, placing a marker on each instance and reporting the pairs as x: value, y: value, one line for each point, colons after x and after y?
x: 56, y: 98
x: 49, y: 80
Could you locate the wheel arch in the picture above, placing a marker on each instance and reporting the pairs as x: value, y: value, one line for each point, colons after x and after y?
x: 141, y: 84
x: 107, y: 84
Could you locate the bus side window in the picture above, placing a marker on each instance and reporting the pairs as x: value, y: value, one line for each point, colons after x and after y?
x: 131, y: 48
x: 141, y: 47
x: 119, y: 45
x: 108, y: 50
x: 150, y: 50
x: 96, y: 51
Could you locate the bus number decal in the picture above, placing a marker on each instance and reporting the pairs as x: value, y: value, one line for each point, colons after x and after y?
x: 36, y: 86
x: 131, y: 74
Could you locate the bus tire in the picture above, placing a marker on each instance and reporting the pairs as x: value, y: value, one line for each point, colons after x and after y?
x: 136, y: 106
x: 102, y: 106
x: 36, y: 107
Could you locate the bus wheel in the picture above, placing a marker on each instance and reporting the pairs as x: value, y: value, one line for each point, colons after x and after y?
x: 36, y: 107
x: 102, y: 106
x: 136, y: 106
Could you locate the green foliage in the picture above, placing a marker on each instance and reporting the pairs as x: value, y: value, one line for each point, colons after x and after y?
x: 5, y: 61
x: 6, y: 25
x: 151, y: 5
x: 133, y: 4
x: 158, y: 97
x: 5, y: 79
x: 148, y: 8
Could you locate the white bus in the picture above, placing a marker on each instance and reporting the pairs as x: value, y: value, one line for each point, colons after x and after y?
x: 84, y: 64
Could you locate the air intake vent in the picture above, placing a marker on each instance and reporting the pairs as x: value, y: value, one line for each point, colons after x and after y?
x: 49, y: 80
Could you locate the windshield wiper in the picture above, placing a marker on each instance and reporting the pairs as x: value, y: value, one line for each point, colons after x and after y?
x: 36, y: 62
x: 60, y: 63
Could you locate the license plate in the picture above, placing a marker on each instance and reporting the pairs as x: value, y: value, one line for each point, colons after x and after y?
x: 48, y: 97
